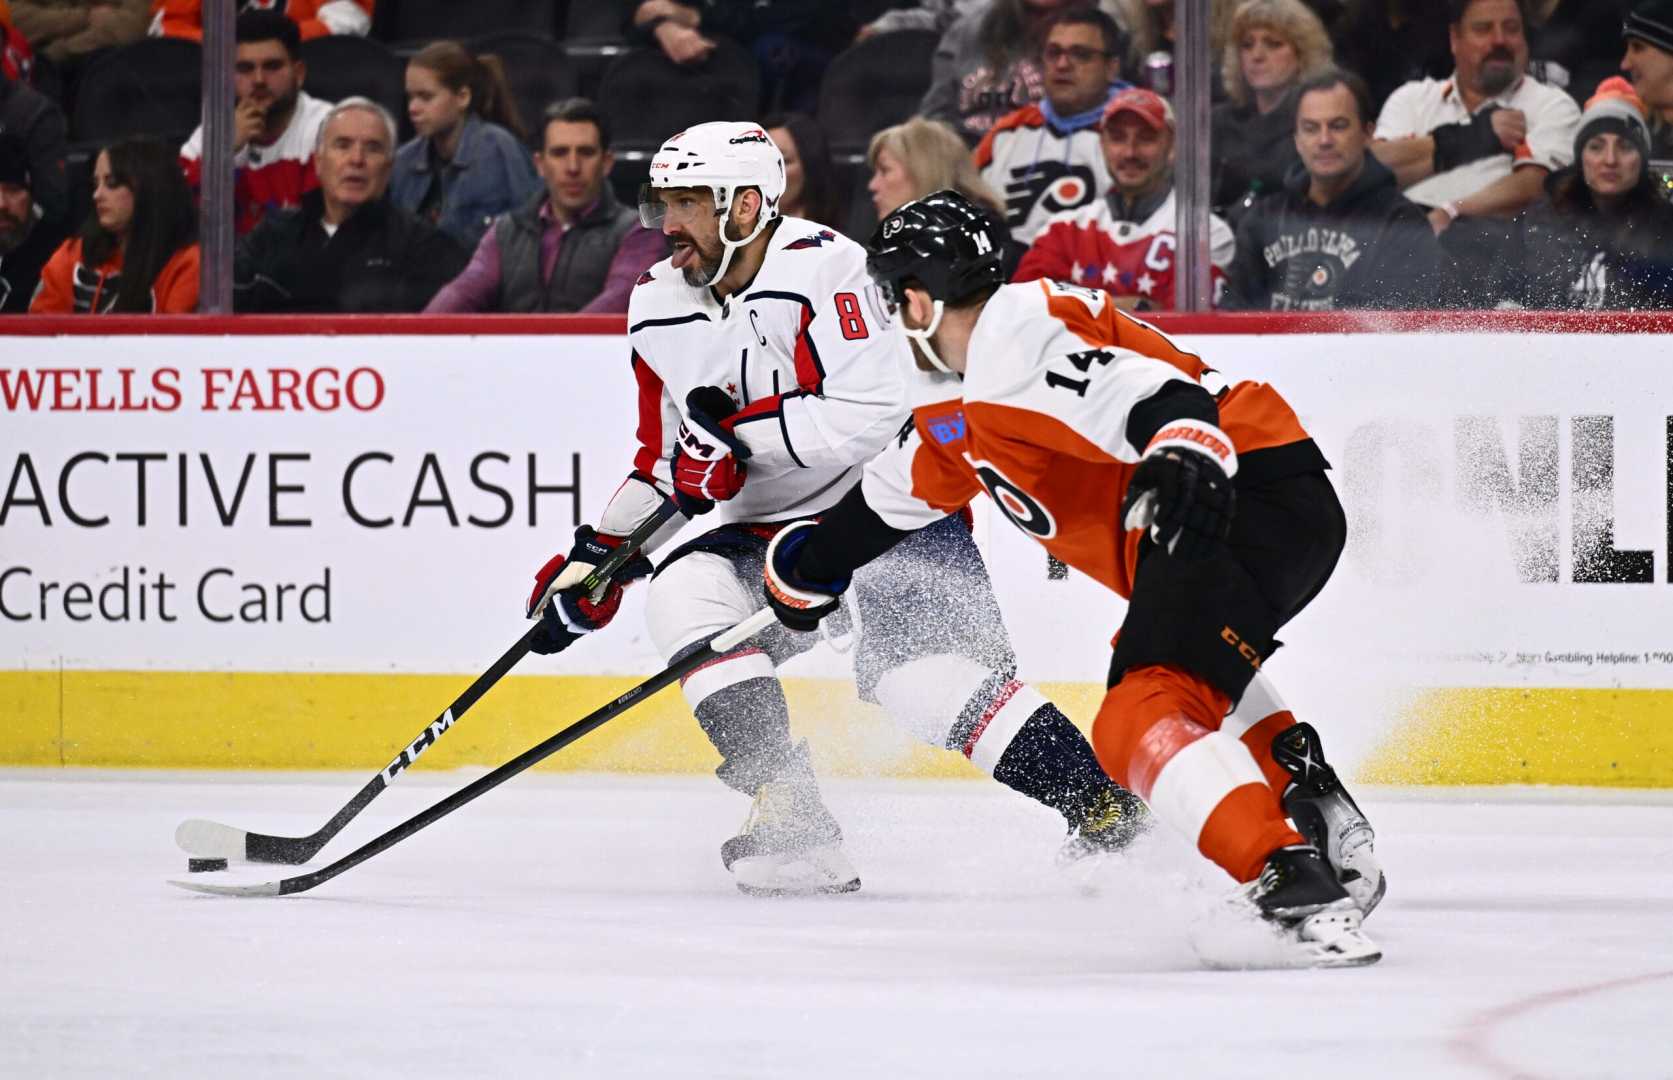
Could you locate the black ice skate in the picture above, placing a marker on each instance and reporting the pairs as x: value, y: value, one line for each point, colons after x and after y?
x: 1298, y: 893
x: 790, y: 845
x: 1328, y: 817
x: 1110, y: 824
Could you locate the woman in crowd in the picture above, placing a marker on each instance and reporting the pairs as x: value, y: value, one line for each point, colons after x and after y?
x: 1602, y: 238
x: 1272, y: 45
x: 137, y: 251
x: 987, y: 65
x: 910, y: 160
x: 810, y: 188
x: 468, y: 163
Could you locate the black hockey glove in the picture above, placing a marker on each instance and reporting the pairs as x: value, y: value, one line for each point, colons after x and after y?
x: 1460, y: 144
x: 564, y: 611
x: 1182, y: 489
x: 798, y: 602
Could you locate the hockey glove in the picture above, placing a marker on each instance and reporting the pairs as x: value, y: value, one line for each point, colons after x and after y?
x: 1182, y: 491
x: 1460, y: 144
x: 798, y: 602
x: 708, y: 463
x: 564, y: 611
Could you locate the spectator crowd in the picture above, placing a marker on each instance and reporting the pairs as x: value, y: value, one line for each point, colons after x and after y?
x: 396, y: 156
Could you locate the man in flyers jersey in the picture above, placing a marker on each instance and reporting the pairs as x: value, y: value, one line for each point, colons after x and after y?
x: 1126, y: 457
x: 768, y: 374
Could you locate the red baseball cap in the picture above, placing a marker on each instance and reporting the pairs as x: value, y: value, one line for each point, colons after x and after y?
x: 1148, y: 106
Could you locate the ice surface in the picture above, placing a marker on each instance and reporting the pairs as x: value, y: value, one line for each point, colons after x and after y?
x: 572, y: 926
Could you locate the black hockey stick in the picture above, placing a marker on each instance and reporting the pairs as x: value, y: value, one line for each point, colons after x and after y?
x: 597, y: 718
x: 208, y: 839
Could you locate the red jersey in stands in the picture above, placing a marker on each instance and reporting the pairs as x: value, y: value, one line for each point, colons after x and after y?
x: 316, y: 18
x: 1039, y: 170
x: 270, y: 177
x: 1125, y: 249
x: 1040, y: 424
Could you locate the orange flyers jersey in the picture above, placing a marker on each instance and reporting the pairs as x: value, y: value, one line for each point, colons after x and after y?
x: 1040, y: 423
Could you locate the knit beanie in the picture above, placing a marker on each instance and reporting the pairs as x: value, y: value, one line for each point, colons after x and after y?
x: 1615, y: 109
x: 1651, y: 21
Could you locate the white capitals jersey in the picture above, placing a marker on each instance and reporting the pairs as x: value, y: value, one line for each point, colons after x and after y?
x: 807, y: 351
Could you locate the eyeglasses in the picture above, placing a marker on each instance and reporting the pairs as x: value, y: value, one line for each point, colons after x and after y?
x: 1080, y: 54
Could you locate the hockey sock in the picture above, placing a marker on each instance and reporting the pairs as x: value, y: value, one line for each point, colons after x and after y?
x: 749, y: 724
x: 1157, y: 733
x: 1051, y: 762
x: 1258, y: 718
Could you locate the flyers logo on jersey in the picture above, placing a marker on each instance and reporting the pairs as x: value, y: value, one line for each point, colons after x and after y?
x: 1023, y: 509
x: 946, y: 429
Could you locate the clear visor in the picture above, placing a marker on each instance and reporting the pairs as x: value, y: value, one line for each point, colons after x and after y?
x: 681, y: 206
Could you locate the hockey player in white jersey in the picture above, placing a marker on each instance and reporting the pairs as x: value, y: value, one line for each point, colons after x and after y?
x: 768, y: 373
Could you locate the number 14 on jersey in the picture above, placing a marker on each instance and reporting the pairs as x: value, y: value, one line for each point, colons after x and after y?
x: 1082, y: 362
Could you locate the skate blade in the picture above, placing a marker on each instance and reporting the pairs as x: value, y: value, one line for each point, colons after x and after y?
x: 815, y: 872
x: 1332, y: 938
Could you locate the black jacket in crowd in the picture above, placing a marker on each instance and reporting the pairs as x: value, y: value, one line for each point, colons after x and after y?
x: 20, y: 268
x: 39, y: 122
x: 1574, y: 256
x: 1371, y: 248
x: 382, y: 259
x: 1252, y: 154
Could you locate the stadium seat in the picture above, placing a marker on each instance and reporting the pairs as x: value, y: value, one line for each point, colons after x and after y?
x: 725, y: 87
x: 341, y: 65
x: 873, y: 85
x: 593, y: 39
x: 537, y: 69
x: 152, y: 87
x: 414, y: 22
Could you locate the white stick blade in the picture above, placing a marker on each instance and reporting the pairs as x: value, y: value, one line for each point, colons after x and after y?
x: 266, y: 888
x: 209, y: 840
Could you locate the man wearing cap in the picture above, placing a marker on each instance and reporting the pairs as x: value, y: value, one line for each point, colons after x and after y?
x: 27, y: 239
x: 1124, y: 242
x: 1649, y: 63
x: 1481, y: 143
x: 1339, y: 234
x: 1044, y: 157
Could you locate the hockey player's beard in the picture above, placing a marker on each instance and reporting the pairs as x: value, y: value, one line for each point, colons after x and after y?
x: 698, y: 265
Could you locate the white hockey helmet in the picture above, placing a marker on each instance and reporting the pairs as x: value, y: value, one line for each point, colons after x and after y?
x: 723, y: 156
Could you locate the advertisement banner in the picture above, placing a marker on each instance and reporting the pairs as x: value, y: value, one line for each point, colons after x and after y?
x: 377, y: 505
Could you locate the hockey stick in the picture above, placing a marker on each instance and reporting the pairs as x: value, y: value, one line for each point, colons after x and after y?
x: 209, y: 839
x: 597, y: 718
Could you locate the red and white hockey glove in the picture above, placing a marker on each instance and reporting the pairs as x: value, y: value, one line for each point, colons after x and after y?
x: 564, y: 610
x: 1182, y: 489
x: 708, y: 462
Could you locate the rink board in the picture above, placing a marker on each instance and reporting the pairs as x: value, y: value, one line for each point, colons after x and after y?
x: 287, y: 545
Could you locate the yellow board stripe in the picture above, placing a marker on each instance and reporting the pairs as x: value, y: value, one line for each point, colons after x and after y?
x: 245, y: 720
x: 1596, y: 738
x: 248, y: 720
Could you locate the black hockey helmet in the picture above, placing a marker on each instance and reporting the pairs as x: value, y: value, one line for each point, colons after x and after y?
x: 942, y: 242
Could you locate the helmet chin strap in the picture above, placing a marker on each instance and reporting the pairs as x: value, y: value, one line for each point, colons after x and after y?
x: 730, y: 247
x: 921, y: 337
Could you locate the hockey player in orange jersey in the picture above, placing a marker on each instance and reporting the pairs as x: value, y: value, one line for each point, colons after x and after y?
x: 1205, y: 504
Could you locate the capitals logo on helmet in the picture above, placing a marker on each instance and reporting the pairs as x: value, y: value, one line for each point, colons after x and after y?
x: 724, y: 156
